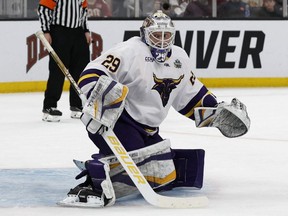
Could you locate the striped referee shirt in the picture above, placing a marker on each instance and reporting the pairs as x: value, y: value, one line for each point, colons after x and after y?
x: 67, y: 13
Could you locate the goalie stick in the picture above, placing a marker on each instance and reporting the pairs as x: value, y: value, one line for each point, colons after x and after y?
x: 124, y: 158
x: 60, y: 64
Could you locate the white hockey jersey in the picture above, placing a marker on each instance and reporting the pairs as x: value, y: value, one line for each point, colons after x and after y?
x: 153, y: 87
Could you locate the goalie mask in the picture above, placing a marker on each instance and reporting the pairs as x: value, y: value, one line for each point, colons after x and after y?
x: 158, y: 32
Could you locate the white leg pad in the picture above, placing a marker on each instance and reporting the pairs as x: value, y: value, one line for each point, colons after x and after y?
x: 155, y: 162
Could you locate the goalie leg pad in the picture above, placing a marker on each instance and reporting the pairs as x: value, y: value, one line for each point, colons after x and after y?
x: 98, y: 170
x: 155, y: 162
x: 189, y: 165
x: 97, y: 191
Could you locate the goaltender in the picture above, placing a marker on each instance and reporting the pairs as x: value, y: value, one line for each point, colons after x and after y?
x: 158, y: 76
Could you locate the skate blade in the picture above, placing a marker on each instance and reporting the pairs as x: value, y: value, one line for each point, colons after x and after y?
x: 75, y: 115
x: 79, y: 205
x: 50, y: 118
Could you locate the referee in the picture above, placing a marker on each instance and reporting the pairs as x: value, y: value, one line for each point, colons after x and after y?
x: 64, y: 23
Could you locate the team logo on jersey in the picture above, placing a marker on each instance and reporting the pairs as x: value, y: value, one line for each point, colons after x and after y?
x: 165, y: 87
x: 177, y: 63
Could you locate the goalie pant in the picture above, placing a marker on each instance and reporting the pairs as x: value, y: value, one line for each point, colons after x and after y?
x: 163, y: 168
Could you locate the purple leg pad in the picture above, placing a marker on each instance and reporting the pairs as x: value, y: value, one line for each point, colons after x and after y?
x: 96, y: 172
x: 189, y: 165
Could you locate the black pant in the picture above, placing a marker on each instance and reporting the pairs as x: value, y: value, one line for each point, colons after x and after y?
x: 72, y: 48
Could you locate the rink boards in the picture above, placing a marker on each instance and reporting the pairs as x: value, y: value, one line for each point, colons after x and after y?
x: 235, y: 53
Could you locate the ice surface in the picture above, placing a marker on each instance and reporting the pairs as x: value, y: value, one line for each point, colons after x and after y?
x: 243, y: 176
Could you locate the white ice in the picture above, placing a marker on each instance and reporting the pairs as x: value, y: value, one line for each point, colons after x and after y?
x: 243, y: 176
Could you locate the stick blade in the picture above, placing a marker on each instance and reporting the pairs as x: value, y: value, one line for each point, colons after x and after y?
x: 178, y: 202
